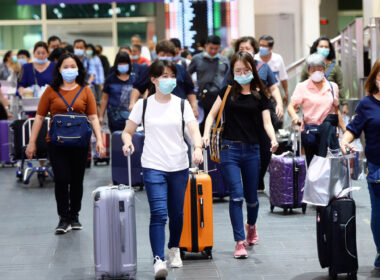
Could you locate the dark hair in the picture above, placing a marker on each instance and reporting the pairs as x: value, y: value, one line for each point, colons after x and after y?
x: 52, y: 39
x: 99, y: 46
x: 165, y: 46
x: 137, y: 47
x: 371, y: 85
x: 156, y: 69
x: 69, y: 48
x: 56, y: 53
x: 213, y: 39
x: 136, y: 36
x: 23, y: 52
x: 125, y: 47
x: 98, y: 52
x: 91, y: 46
x: 80, y: 41
x: 269, y: 39
x: 57, y: 77
x: 257, y: 87
x: 313, y: 48
x: 252, y: 41
x: 7, y: 56
x: 185, y: 54
x: 41, y: 44
x: 176, y: 42
x: 122, y: 57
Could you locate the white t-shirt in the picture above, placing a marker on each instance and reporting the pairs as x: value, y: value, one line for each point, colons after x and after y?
x: 276, y: 64
x: 164, y: 146
x: 145, y: 53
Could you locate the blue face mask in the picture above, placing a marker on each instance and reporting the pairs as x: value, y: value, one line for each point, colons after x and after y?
x: 323, y: 51
x: 211, y: 57
x: 244, y: 79
x: 22, y: 61
x: 167, y: 85
x: 264, y: 51
x: 41, y: 61
x: 78, y: 52
x: 123, y: 68
x: 176, y: 57
x: 69, y: 74
x: 168, y: 58
x: 89, y: 53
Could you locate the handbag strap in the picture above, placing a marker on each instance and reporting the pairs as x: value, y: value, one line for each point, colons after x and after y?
x: 330, y: 69
x: 221, y: 109
x: 145, y: 102
x: 70, y: 107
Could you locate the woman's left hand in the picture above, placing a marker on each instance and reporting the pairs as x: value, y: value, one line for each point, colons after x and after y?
x: 279, y: 111
x: 197, y: 156
x: 100, y: 148
x: 274, y: 146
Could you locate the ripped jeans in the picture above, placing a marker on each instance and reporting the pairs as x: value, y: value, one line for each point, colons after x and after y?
x: 240, y: 167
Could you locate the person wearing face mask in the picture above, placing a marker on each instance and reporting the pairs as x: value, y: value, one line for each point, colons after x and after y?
x: 136, y: 56
x: 178, y: 50
x: 246, y: 111
x: 333, y: 73
x: 68, y: 162
x: 320, y: 107
x: 210, y: 68
x: 23, y: 57
x: 367, y: 120
x: 164, y: 159
x: 275, y: 62
x: 88, y: 64
x: 37, y: 74
x: 250, y: 45
x: 53, y: 43
x: 98, y: 81
x: 184, y: 85
x: 118, y: 88
x: 7, y: 66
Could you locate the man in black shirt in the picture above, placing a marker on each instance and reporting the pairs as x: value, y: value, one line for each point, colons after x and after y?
x: 103, y: 59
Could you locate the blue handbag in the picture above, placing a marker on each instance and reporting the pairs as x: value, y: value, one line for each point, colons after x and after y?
x: 70, y: 129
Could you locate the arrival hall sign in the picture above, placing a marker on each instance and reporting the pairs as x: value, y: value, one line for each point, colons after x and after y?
x: 56, y: 2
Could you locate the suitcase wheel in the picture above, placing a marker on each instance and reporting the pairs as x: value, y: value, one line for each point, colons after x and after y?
x: 304, y: 206
x: 208, y: 252
x: 332, y: 275
x: 41, y: 179
x: 271, y: 207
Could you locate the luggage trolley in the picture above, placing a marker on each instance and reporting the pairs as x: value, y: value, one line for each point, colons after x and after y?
x: 24, y: 128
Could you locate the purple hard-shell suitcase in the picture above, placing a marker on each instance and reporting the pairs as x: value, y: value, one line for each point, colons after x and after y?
x: 215, y: 171
x: 119, y: 161
x: 115, y: 246
x: 5, y: 143
x: 287, y: 180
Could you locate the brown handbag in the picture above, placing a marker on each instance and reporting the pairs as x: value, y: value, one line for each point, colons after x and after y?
x: 217, y: 130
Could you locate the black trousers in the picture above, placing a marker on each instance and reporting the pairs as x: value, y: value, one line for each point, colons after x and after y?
x: 68, y: 165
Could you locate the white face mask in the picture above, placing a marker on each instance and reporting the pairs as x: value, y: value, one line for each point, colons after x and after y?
x: 378, y: 83
x: 317, y: 76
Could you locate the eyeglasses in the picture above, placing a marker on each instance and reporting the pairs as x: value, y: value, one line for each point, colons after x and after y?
x: 242, y: 71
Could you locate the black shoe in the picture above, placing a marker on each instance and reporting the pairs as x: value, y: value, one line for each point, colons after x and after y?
x: 75, y: 224
x: 63, y: 227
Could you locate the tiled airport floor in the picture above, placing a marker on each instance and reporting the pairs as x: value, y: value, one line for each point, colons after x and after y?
x: 287, y: 248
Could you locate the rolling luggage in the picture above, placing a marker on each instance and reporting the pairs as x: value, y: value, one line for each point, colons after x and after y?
x: 287, y: 180
x: 215, y: 172
x: 119, y: 161
x: 106, y: 143
x: 197, y: 230
x: 336, y: 236
x: 5, y: 143
x: 115, y: 232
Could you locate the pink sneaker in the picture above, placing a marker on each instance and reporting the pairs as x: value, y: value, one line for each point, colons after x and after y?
x: 252, y: 235
x: 240, y: 251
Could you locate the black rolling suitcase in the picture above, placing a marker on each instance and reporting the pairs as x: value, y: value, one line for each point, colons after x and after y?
x: 336, y: 237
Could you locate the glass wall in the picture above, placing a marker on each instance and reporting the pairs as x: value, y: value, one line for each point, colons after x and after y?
x: 19, y: 36
x: 63, y: 11
x: 10, y: 10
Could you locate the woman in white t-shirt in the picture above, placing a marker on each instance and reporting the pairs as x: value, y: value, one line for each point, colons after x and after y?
x: 164, y: 159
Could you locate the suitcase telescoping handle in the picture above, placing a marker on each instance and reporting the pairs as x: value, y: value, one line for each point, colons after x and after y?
x: 129, y: 168
x: 205, y: 159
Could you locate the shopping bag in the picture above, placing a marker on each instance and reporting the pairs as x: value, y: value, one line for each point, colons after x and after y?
x: 325, y: 179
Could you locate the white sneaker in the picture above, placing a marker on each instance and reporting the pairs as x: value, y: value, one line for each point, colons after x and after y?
x: 175, y: 257
x: 160, y: 270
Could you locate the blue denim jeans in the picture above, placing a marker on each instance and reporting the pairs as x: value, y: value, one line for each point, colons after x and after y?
x: 241, y: 167
x: 374, y: 193
x: 166, y: 195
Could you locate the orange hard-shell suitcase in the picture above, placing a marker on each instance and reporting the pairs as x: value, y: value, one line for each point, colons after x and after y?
x: 197, y: 230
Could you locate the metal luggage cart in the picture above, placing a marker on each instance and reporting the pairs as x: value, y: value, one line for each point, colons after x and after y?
x: 24, y: 174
